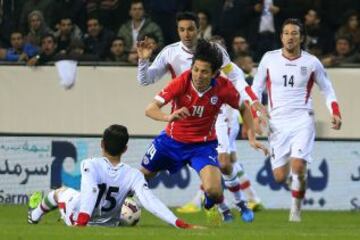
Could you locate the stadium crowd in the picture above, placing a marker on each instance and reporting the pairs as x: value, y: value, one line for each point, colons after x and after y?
x: 37, y: 31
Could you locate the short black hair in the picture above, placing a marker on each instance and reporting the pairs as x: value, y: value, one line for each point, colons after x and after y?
x: 48, y: 35
x: 187, y: 16
x: 115, y: 139
x: 207, y: 52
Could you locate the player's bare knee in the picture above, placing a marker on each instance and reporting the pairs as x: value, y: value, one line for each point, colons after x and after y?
x: 280, y: 177
x: 213, y: 191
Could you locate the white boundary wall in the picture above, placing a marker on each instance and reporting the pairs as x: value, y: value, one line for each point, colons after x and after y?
x: 32, y: 101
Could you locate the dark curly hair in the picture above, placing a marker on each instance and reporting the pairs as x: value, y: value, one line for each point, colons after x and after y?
x: 208, y: 52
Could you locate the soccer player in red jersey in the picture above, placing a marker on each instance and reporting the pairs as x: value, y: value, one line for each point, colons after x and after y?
x: 190, y: 137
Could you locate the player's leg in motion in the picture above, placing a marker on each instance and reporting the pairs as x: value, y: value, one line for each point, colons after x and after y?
x: 39, y: 206
x: 253, y: 201
x: 298, y: 188
x: 229, y: 173
x: 212, y: 186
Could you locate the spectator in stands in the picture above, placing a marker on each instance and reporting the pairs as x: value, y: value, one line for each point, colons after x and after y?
x: 45, y: 7
x: 19, y: 51
x: 98, y: 39
x: 232, y: 19
x: 117, y: 51
x: 205, y: 28
x: 333, y: 10
x: 37, y: 28
x: 266, y: 20
x: 239, y: 47
x: 344, y: 53
x: 47, y: 51
x: 318, y: 40
x: 111, y: 13
x: 67, y: 32
x: 351, y: 27
x: 211, y: 7
x: 137, y: 26
x: 73, y: 9
x: 76, y: 51
x: 298, y: 8
x: 163, y: 13
x: 10, y: 11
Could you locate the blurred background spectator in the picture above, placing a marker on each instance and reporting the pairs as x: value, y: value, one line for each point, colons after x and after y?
x: 205, y: 27
x: 47, y: 51
x: 66, y: 33
x: 19, y: 50
x: 117, y: 51
x: 111, y: 13
x: 248, y: 27
x: 344, y: 53
x: 97, y: 39
x: 37, y: 28
x: 351, y: 27
x: 319, y: 39
x: 137, y: 26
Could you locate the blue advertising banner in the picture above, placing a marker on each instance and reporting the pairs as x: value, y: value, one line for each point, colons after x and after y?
x: 29, y: 164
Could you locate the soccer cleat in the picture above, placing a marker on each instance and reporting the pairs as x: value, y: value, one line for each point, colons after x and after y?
x: 189, y: 208
x: 213, y: 216
x: 294, y: 216
x: 29, y: 218
x: 255, y: 206
x: 34, y: 201
x: 247, y: 215
x: 227, y: 216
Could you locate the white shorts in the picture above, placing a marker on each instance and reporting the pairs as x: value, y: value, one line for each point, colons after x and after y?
x: 69, y: 205
x: 227, y: 129
x: 291, y: 136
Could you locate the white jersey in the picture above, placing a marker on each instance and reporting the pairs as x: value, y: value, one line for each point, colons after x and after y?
x: 104, y: 188
x: 176, y: 58
x: 289, y: 82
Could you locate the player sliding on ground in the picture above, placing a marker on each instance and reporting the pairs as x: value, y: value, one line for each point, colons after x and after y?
x: 190, y: 138
x: 105, y: 183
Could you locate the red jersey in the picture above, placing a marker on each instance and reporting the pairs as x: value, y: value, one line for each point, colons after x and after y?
x: 203, y: 107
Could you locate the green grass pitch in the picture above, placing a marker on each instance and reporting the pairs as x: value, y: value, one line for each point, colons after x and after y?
x: 268, y: 225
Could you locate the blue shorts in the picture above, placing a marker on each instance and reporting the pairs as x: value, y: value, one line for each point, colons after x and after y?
x: 166, y: 153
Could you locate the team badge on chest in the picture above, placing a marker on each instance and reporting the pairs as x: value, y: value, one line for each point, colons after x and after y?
x: 214, y: 100
x: 303, y: 70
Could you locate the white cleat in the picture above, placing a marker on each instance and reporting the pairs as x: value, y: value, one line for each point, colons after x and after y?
x: 294, y: 216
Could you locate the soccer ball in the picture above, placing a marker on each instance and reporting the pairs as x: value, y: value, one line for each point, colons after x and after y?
x: 130, y: 212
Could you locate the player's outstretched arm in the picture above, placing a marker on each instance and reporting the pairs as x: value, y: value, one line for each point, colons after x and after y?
x: 152, y: 204
x: 249, y: 125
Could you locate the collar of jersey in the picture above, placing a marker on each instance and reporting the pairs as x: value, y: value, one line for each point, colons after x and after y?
x: 200, y: 94
x: 185, y: 49
x: 119, y: 165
